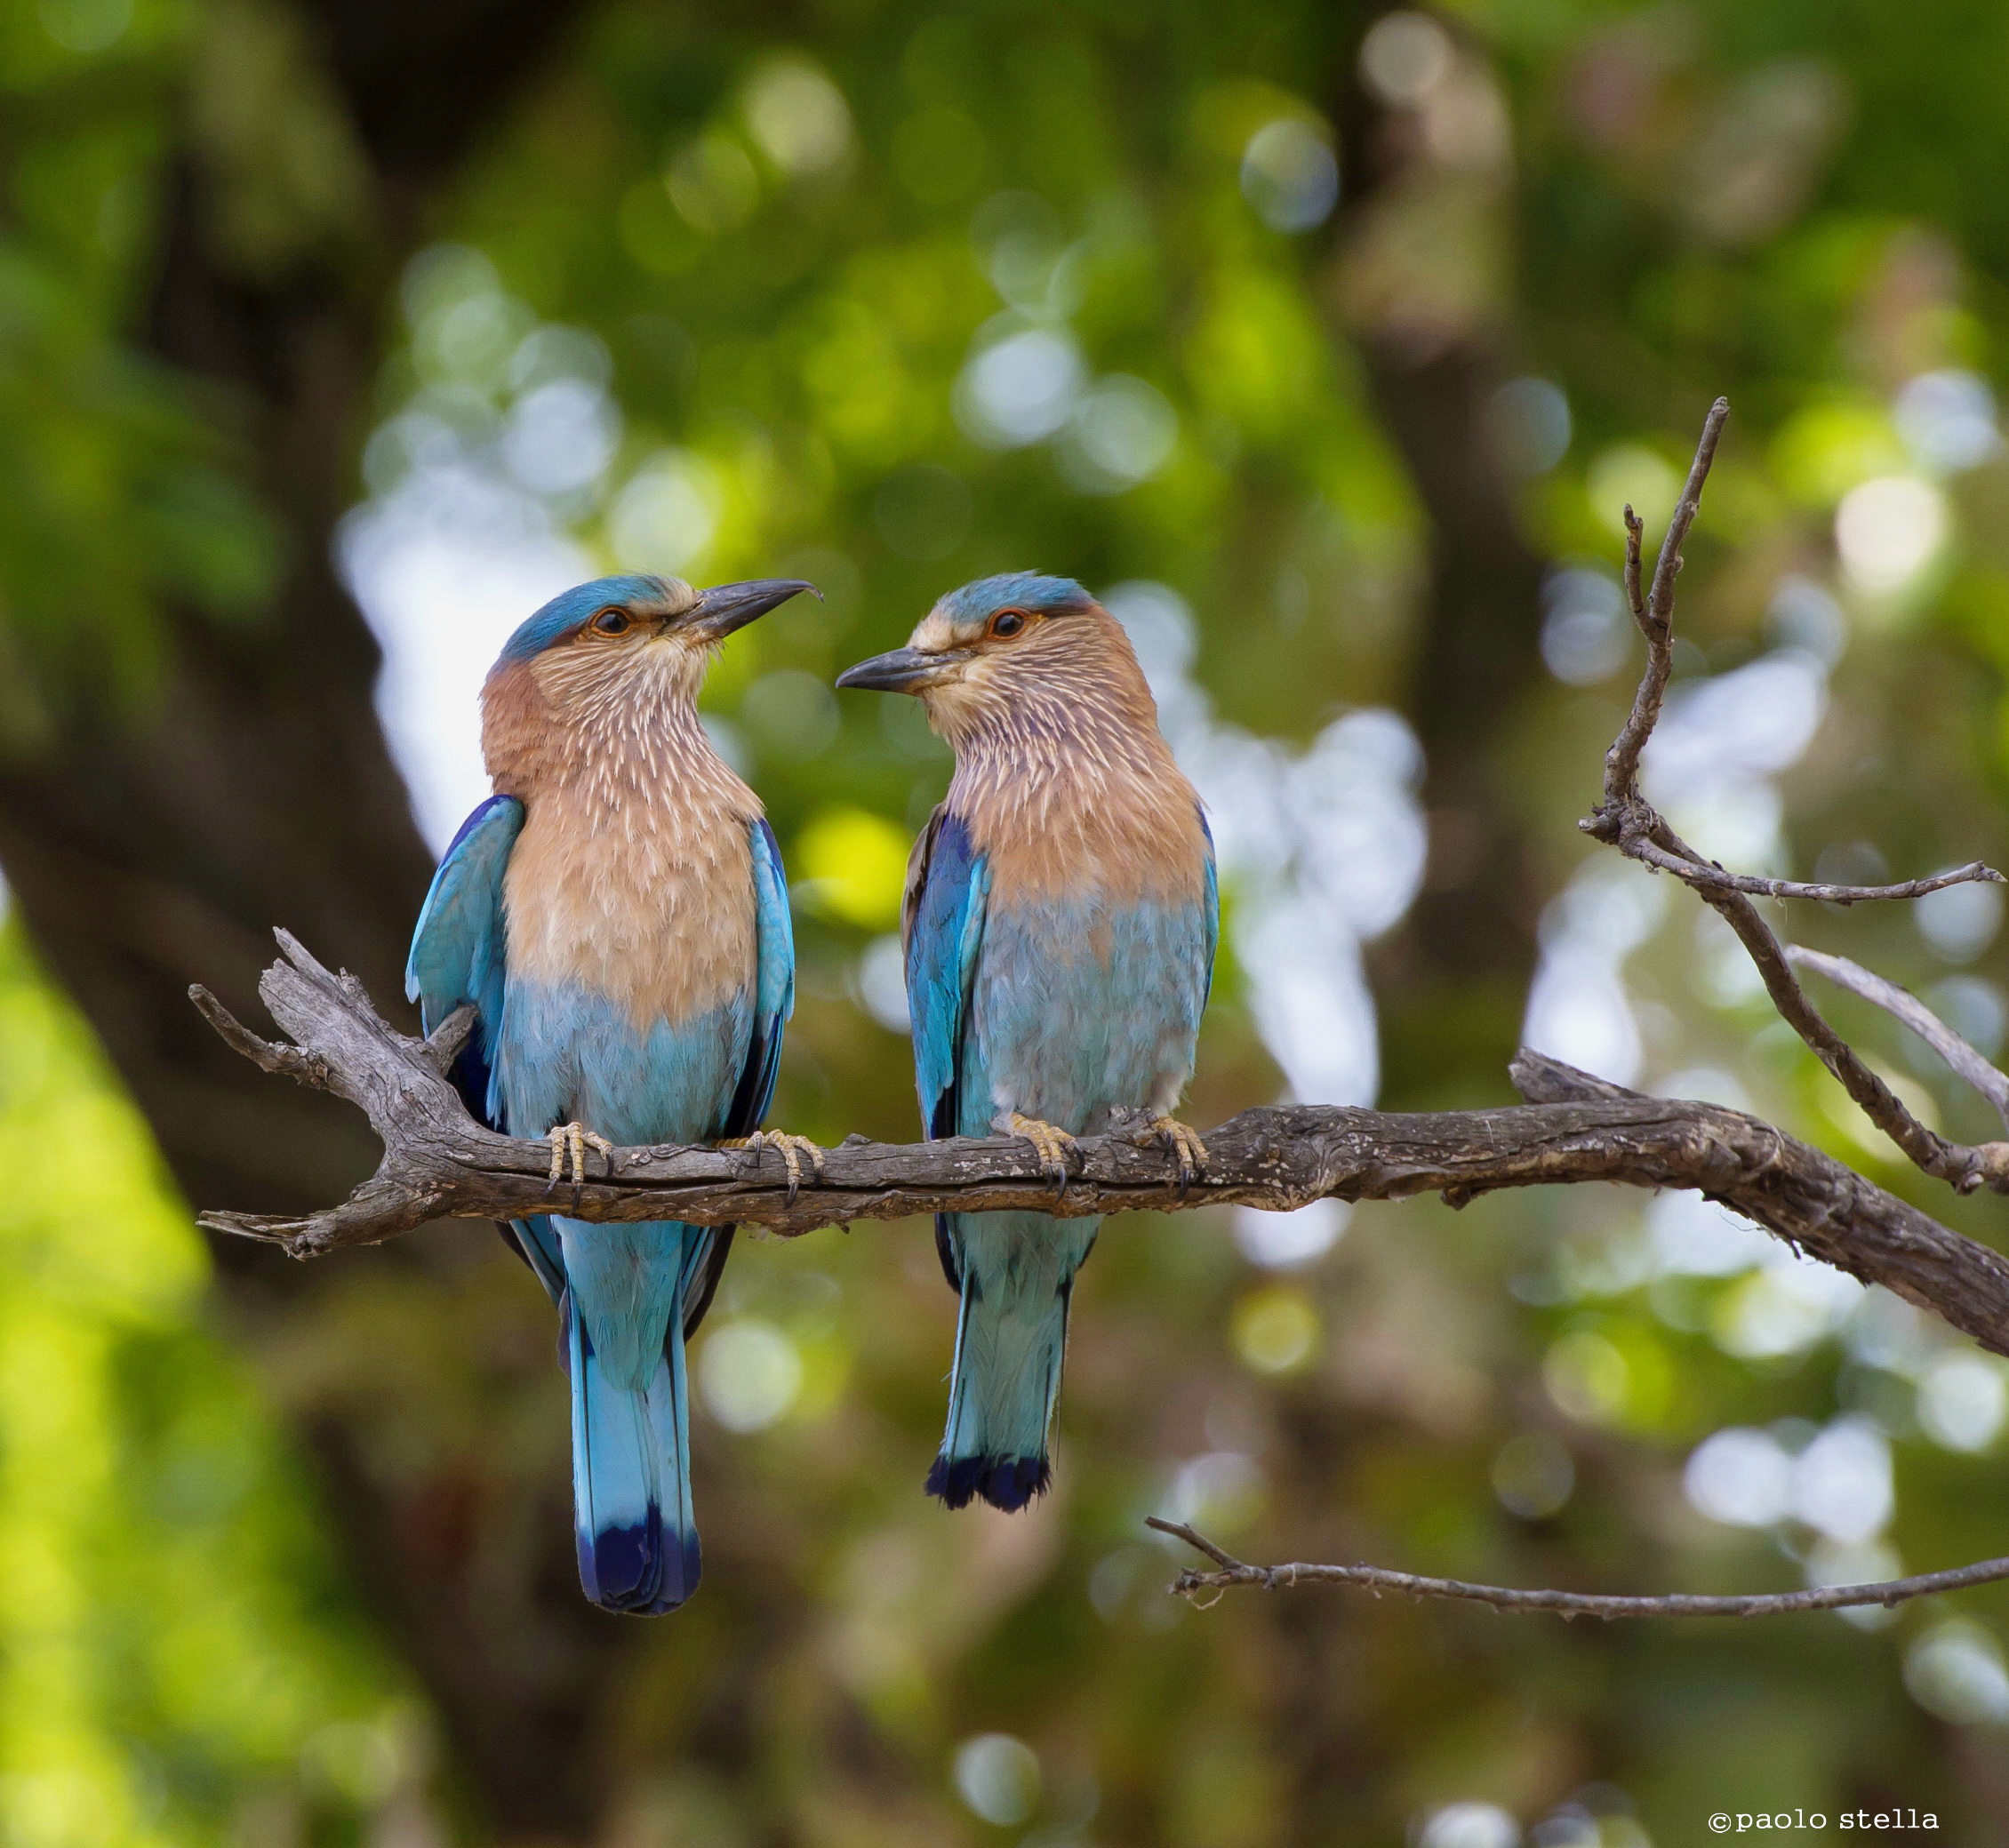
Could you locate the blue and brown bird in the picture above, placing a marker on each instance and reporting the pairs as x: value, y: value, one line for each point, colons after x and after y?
x: 617, y: 916
x: 1060, y: 928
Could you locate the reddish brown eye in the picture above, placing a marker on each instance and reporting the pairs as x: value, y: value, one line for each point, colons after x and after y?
x: 613, y: 622
x: 1007, y: 623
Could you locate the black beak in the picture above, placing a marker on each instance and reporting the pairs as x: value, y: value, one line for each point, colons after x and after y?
x: 726, y: 607
x: 906, y: 670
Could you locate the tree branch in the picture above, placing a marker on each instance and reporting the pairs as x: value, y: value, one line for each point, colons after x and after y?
x: 1708, y: 874
x: 1966, y: 1061
x: 438, y: 1163
x: 1232, y: 1573
x: 1627, y: 821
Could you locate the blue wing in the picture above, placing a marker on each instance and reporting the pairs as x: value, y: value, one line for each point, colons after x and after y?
x: 458, y: 949
x: 460, y: 953
x: 774, y: 1001
x: 1213, y: 912
x: 947, y: 888
x: 948, y: 885
x: 774, y: 984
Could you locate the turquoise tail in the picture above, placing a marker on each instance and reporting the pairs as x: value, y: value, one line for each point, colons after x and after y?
x: 1015, y: 1273
x: 637, y: 1530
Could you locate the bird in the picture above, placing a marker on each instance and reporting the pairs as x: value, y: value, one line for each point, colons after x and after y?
x: 616, y: 914
x: 1060, y: 924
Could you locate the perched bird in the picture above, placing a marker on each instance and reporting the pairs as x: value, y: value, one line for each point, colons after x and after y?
x: 1060, y: 928
x: 617, y: 916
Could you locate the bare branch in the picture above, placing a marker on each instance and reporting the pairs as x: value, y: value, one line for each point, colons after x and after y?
x: 1666, y: 564
x: 1627, y: 821
x: 1989, y: 1080
x: 1232, y: 1573
x: 1655, y: 614
x: 438, y: 1163
x: 1709, y: 874
x: 283, y: 1061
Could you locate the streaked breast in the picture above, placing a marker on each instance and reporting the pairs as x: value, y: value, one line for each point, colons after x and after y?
x: 647, y: 899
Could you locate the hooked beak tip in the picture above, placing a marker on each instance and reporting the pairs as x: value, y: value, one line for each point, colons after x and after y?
x: 726, y: 607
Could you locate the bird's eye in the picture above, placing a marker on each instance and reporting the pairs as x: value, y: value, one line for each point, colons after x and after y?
x: 1007, y: 623
x: 613, y: 622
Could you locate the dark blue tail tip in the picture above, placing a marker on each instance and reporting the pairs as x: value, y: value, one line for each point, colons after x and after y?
x: 639, y: 1571
x: 1007, y: 1482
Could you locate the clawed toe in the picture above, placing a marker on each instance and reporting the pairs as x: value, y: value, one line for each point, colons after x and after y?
x: 569, y: 1144
x: 792, y: 1150
x: 1181, y: 1142
x: 1054, y: 1146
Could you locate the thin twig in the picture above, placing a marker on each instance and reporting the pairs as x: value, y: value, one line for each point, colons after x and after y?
x: 1966, y: 1061
x: 1964, y: 1168
x: 1700, y: 874
x: 1655, y: 613
x: 1233, y: 1572
x: 1624, y: 819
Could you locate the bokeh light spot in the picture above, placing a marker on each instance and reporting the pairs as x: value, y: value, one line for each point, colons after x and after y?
x: 998, y: 1777
x: 857, y: 863
x: 749, y: 1372
x: 1275, y: 1330
x: 1289, y: 175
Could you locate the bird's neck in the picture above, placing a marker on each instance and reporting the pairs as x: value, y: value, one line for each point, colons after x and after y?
x: 632, y: 748
x: 633, y: 878
x: 1065, y: 791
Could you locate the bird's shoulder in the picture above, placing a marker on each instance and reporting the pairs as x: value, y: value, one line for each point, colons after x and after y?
x: 940, y: 867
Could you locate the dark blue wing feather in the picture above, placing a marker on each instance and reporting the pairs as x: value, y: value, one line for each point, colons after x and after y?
x: 948, y: 885
x: 775, y: 985
x: 1213, y: 911
x: 458, y: 948
x: 774, y: 1001
x: 460, y: 953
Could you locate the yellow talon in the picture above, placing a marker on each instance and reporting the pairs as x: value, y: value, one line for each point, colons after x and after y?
x: 791, y: 1149
x: 1052, y: 1145
x: 569, y: 1144
x: 1182, y: 1142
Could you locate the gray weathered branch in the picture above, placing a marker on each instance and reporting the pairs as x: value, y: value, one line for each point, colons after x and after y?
x: 1231, y: 1572
x: 1625, y: 820
x: 439, y: 1162
x: 1966, y: 1061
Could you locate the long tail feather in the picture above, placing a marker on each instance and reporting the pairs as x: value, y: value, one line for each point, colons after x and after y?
x: 637, y: 1536
x: 631, y: 1427
x: 1017, y: 1279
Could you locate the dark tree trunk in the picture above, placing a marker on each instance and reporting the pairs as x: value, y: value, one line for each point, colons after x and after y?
x: 148, y: 853
x: 1451, y: 981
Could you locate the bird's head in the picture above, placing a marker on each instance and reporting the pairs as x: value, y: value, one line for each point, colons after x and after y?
x: 614, y: 627
x: 597, y: 652
x: 1001, y: 644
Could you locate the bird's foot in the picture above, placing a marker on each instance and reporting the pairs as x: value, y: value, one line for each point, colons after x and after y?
x: 792, y: 1150
x: 1177, y: 1140
x: 1053, y: 1146
x: 569, y: 1144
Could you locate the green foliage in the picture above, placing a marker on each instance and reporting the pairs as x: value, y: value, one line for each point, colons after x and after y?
x: 120, y: 488
x: 177, y: 1656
